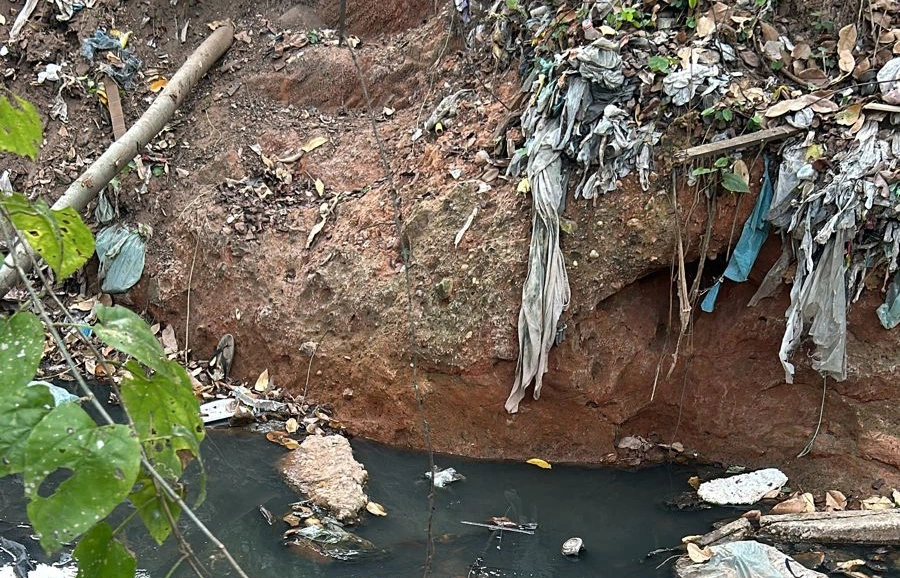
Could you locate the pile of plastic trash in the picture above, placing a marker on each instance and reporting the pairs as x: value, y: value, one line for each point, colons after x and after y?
x: 604, y: 80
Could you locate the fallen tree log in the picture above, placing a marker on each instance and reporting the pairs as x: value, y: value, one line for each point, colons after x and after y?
x: 111, y: 162
x: 873, y: 527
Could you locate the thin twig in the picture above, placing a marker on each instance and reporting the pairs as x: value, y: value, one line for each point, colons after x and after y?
x: 187, y: 313
x: 405, y: 256
x: 311, y: 357
x: 812, y: 440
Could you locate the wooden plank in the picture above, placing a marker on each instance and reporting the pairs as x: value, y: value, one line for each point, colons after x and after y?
x: 738, y: 142
x: 115, y: 106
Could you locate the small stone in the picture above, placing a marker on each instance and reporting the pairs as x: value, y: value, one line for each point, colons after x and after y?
x: 594, y: 254
x: 347, y: 393
x: 443, y: 289
x: 572, y: 547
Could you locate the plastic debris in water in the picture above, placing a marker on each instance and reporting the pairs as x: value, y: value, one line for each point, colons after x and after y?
x: 572, y: 547
x: 444, y: 477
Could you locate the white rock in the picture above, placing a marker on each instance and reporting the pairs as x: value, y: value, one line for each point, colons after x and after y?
x: 741, y: 489
x: 324, y: 469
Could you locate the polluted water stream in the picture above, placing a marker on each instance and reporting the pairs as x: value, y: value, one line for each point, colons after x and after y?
x: 620, y: 516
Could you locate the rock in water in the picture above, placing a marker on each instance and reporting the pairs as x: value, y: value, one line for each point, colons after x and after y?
x: 741, y: 489
x: 323, y: 468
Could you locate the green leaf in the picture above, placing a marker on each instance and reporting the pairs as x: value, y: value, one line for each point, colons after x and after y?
x: 127, y: 332
x: 60, y: 237
x: 99, y: 555
x: 165, y: 414
x: 692, y: 4
x: 20, y: 127
x: 21, y: 348
x: 734, y: 183
x: 658, y: 63
x: 708, y: 111
x: 727, y: 114
x: 702, y: 171
x: 103, y: 463
x: 150, y: 507
x: 722, y: 162
x: 22, y: 409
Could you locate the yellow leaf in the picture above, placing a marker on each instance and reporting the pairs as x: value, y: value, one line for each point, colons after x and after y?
x: 524, y: 186
x: 320, y: 187
x: 376, y: 509
x: 814, y: 151
x: 262, y: 382
x: 290, y: 443
x: 291, y: 425
x: 314, y: 143
x: 158, y: 84
x: 849, y: 115
x: 539, y: 463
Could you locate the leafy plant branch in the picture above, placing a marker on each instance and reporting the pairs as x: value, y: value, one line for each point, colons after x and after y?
x: 140, y: 461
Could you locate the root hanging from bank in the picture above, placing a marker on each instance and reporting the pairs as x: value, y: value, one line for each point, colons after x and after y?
x: 405, y: 255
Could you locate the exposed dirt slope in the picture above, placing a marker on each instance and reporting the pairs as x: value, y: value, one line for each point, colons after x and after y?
x: 253, y: 276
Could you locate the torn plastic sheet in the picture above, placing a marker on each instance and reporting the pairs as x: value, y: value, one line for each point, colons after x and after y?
x: 747, y: 559
x: 67, y: 8
x: 130, y: 63
x: 819, y: 302
x: 756, y: 230
x: 617, y: 145
x: 832, y: 226
x: 682, y: 85
x: 889, y: 311
x: 600, y: 62
x: 121, y: 251
x: 546, y: 291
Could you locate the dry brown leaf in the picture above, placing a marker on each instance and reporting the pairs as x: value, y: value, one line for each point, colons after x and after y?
x: 314, y: 143
x: 814, y: 75
x: 749, y: 58
x: 694, y: 482
x: 320, y: 187
x: 705, y: 26
x: 262, y: 382
x: 862, y: 67
x: 291, y: 519
x: 168, y: 339
x: 790, y: 506
x: 850, y: 564
x: 376, y: 509
x: 846, y: 44
x: 849, y: 115
x: 786, y: 106
x: 801, y: 51
x: 769, y: 33
x: 741, y: 170
x: 877, y: 503
x: 835, y: 500
x: 291, y: 425
x: 774, y: 50
x: 83, y: 306
x: 697, y: 554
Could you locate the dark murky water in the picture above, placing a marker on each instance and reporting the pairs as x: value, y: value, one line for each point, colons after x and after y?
x: 619, y: 515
